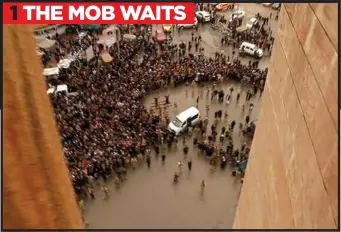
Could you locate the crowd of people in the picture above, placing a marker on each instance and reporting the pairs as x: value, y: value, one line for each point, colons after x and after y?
x: 260, y: 34
x: 105, y: 128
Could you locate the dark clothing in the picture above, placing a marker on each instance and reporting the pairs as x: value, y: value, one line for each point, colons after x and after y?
x: 223, y: 129
x: 189, y: 164
x: 220, y: 113
x: 247, y: 119
x: 233, y: 123
x: 186, y: 150
x: 148, y: 161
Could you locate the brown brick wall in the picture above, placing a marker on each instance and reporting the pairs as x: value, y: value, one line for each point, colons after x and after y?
x: 292, y: 176
x: 37, y: 190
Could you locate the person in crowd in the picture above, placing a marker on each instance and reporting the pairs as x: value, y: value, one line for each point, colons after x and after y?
x: 105, y: 129
x: 176, y: 178
x: 148, y: 160
x: 189, y: 164
x: 180, y: 165
x: 185, y: 150
x: 202, y: 185
x: 105, y: 191
x: 163, y: 159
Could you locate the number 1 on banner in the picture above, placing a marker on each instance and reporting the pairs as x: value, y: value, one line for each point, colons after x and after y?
x: 14, y: 10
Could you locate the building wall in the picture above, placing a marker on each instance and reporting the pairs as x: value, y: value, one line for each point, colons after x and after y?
x: 292, y: 176
x: 37, y: 190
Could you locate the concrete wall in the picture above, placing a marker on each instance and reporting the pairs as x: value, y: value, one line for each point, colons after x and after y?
x: 292, y: 176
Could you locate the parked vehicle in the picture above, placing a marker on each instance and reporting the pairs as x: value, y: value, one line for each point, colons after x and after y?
x: 223, y: 6
x: 239, y: 14
x: 167, y: 28
x: 160, y: 35
x: 182, y: 26
x: 58, y: 89
x: 189, y: 117
x: 251, y: 23
x: 267, y: 4
x: 250, y: 49
x: 276, y: 6
x: 203, y: 16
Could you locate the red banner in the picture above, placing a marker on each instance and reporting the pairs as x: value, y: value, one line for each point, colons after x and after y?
x: 98, y: 13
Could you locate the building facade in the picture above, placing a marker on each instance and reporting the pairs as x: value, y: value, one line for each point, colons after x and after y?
x: 292, y: 176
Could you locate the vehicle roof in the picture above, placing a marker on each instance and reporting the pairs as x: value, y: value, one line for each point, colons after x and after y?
x: 195, y: 21
x: 61, y: 88
x: 237, y: 11
x: 184, y: 115
x: 252, y: 20
x: 203, y: 12
x: 248, y: 44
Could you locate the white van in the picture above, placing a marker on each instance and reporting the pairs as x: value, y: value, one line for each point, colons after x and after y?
x: 182, y: 26
x: 203, y: 16
x: 51, y: 71
x: 251, y: 23
x: 250, y: 49
x: 59, y: 88
x: 188, y: 117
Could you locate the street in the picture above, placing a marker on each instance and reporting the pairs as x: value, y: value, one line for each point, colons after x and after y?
x: 211, y: 38
x: 148, y: 199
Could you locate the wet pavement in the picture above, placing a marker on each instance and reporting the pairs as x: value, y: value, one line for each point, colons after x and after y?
x: 211, y: 39
x: 149, y: 199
